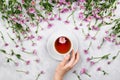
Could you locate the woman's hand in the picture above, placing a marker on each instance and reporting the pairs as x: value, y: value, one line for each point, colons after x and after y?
x: 66, y: 65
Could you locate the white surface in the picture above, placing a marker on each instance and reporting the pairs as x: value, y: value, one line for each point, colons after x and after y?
x: 48, y: 64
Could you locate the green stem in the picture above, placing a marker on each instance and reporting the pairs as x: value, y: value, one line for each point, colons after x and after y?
x: 89, y: 45
x: 102, y: 43
x: 70, y: 14
x: 89, y: 25
x: 96, y: 22
x: 11, y: 38
x: 88, y: 74
x: 96, y: 33
x: 21, y: 71
x: 104, y: 73
x: 38, y: 76
x: 98, y: 60
x: 10, y: 59
x: 2, y: 37
x: 77, y: 76
x: 38, y: 28
x: 74, y: 20
x: 95, y: 57
x: 27, y: 52
x: 118, y: 53
x: 83, y: 32
x: 59, y: 12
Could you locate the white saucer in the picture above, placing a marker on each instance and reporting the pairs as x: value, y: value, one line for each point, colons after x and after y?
x: 50, y: 44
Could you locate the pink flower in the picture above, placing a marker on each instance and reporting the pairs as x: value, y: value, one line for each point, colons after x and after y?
x: 88, y: 59
x: 87, y: 36
x: 27, y: 72
x: 108, y: 62
x: 23, y: 1
x: 76, y: 28
x: 64, y: 10
x: 113, y: 40
x: 95, y: 28
x: 42, y: 72
x: 34, y: 44
x: 82, y: 1
x: 81, y: 15
x: 80, y: 24
x: 59, y: 19
x: 99, y: 69
x: 62, y: 1
x: 106, y: 32
x: 94, y: 38
x: 31, y: 10
x: 118, y: 3
x: 16, y: 64
x: 92, y: 63
x: 51, y: 19
x: 97, y: 16
x: 17, y: 46
x: 74, y: 71
x: 6, y: 44
x: 37, y: 60
x: 107, y: 39
x: 62, y: 40
x: 39, y: 38
x: 86, y: 51
x: 74, y: 7
x: 99, y: 47
x: 82, y: 7
x: 33, y: 3
x: 67, y: 22
x: 35, y: 52
x: 19, y: 8
x: 30, y: 37
x: 50, y: 25
x: 55, y: 15
x: 22, y: 21
x: 23, y: 49
x: 27, y: 62
x: 20, y: 15
x: 88, y: 19
x: 113, y: 35
x: 32, y: 24
x: 83, y: 71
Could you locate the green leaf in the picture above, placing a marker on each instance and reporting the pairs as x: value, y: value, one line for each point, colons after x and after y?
x: 12, y: 53
x: 8, y: 60
x: 3, y: 51
x: 18, y: 56
x: 105, y: 56
x: 4, y: 17
x: 17, y: 11
x: 47, y: 6
x: 114, y: 57
x: 18, y: 27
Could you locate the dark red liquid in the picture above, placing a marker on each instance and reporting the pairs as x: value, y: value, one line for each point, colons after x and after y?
x: 63, y: 47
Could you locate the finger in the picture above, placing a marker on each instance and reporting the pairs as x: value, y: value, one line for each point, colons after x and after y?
x: 66, y: 59
x: 77, y: 56
x: 70, y: 63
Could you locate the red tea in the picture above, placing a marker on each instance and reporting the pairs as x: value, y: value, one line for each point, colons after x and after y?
x: 62, y: 45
